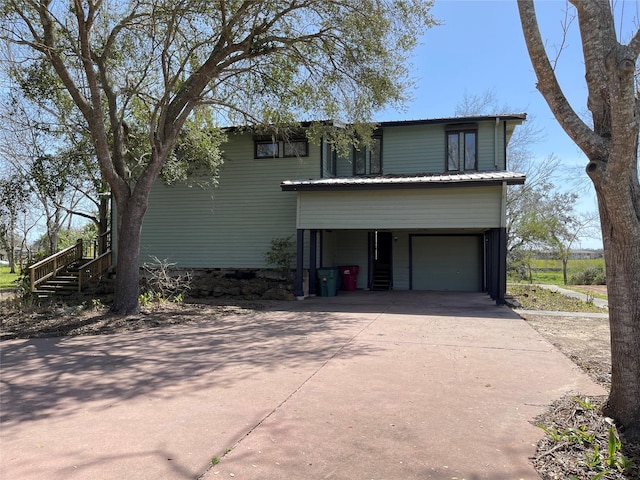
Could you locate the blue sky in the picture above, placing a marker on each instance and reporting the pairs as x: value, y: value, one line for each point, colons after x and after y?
x: 480, y: 47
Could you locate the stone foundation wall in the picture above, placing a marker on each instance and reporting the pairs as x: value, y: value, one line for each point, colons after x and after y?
x: 248, y: 285
x: 242, y: 284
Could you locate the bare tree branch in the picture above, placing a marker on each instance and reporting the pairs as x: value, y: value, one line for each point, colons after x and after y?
x: 550, y: 88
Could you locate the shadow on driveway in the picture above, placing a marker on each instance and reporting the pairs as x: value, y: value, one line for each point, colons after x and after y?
x: 394, y: 384
x: 45, y: 377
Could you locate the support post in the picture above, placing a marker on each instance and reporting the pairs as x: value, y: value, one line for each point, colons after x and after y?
x: 489, y: 264
x: 502, y: 265
x: 493, y: 252
x: 300, y: 264
x: 313, y: 247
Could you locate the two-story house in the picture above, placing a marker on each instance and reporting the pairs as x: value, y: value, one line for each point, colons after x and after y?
x: 421, y: 208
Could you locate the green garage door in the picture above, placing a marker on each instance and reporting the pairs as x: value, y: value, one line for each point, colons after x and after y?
x: 446, y: 263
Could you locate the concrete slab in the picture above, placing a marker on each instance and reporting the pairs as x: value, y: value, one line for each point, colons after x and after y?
x: 363, y: 385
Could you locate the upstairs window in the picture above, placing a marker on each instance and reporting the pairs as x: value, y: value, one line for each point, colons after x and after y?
x: 266, y: 149
x: 462, y: 148
x: 367, y: 160
x: 295, y: 148
x: 329, y: 159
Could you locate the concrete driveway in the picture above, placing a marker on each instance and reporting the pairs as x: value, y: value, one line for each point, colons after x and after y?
x: 365, y: 385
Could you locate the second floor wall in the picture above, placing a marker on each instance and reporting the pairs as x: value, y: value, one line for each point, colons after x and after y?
x: 232, y: 223
x: 432, y: 147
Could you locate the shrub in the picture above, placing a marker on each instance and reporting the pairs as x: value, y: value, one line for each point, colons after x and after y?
x: 589, y: 276
x: 282, y: 255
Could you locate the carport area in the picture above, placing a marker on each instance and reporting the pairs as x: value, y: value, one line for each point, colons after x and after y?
x: 382, y: 385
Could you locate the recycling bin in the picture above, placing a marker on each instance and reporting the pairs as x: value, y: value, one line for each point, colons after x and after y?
x: 328, y: 279
x: 349, y: 274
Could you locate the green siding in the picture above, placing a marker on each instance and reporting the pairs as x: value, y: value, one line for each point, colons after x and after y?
x: 353, y: 251
x: 328, y: 249
x: 410, y: 150
x: 421, y: 149
x: 472, y: 207
x: 344, y: 167
x: 231, y: 225
x: 401, y: 260
x: 346, y: 247
x: 491, y: 152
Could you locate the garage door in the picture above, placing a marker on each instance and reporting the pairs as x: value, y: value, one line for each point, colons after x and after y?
x: 446, y: 263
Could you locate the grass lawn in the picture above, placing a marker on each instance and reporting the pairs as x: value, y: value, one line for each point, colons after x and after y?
x: 549, y: 272
x: 7, y: 280
x: 532, y: 297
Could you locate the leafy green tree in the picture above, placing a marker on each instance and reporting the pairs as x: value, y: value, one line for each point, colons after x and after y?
x: 13, y: 199
x: 43, y: 140
x: 564, y: 234
x: 68, y: 237
x: 610, y: 141
x: 140, y: 71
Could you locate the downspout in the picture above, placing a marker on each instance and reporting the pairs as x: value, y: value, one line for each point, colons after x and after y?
x: 504, y: 143
x: 495, y: 144
x: 503, y: 206
x: 502, y: 248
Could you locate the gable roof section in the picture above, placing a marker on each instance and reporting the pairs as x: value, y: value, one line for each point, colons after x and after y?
x: 390, y: 182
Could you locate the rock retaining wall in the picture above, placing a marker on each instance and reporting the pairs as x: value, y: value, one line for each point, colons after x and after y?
x: 249, y: 285
x: 244, y: 284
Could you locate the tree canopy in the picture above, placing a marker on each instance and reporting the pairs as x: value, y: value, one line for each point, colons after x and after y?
x: 138, y: 72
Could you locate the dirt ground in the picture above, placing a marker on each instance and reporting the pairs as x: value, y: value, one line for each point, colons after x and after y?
x: 583, y: 338
x: 56, y: 320
x: 578, y: 434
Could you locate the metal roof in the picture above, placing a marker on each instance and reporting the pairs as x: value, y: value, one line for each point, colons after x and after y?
x: 520, y: 117
x: 404, y: 181
x: 517, y: 117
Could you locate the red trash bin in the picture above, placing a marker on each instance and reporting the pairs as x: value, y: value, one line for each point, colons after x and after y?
x: 349, y: 276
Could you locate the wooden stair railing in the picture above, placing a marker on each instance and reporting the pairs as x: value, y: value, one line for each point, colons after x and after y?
x: 41, y: 271
x: 48, y: 269
x: 93, y: 268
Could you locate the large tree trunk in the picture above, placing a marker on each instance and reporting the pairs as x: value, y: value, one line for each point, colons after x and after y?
x: 611, y: 145
x: 130, y: 217
x: 103, y: 224
x: 621, y: 240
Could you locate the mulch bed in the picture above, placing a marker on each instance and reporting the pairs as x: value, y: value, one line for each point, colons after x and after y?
x: 577, y: 441
x: 62, y: 320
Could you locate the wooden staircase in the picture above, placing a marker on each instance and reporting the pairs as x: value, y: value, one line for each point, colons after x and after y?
x: 57, y: 286
x: 381, y: 277
x: 66, y: 272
